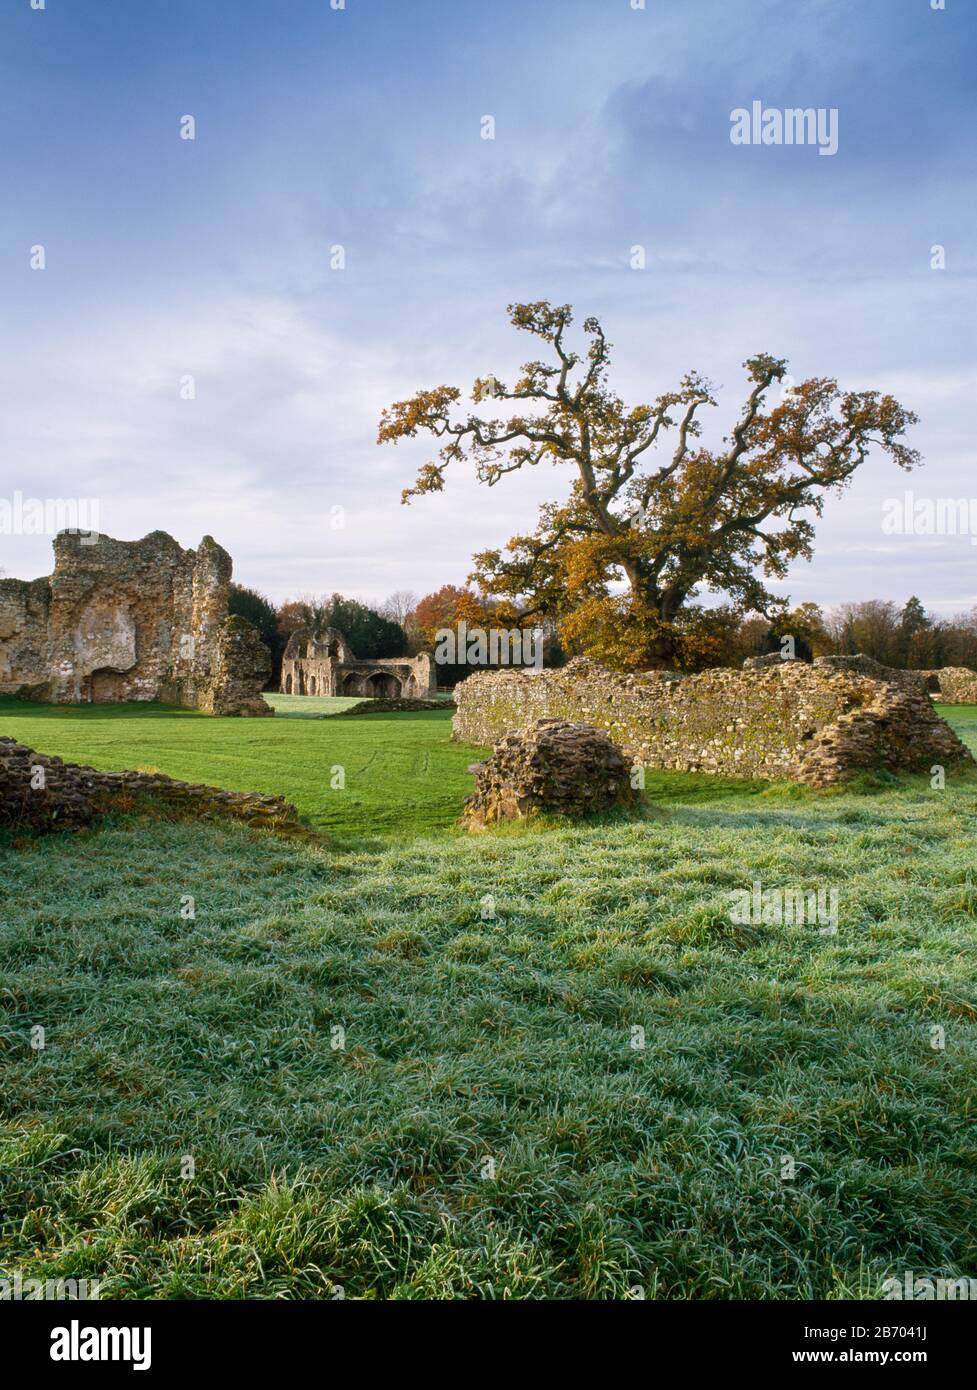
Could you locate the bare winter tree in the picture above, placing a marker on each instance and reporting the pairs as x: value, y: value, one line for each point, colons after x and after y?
x: 399, y: 606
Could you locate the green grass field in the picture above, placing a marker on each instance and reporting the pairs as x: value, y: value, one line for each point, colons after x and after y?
x: 484, y: 1125
x: 310, y: 706
x: 401, y: 773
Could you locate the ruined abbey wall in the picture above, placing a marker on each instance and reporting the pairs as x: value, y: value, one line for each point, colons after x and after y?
x: 949, y: 685
x: 787, y: 721
x: 131, y: 620
x: 952, y: 685
x: 322, y: 663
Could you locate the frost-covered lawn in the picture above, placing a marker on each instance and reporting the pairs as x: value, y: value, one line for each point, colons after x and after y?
x: 536, y: 1063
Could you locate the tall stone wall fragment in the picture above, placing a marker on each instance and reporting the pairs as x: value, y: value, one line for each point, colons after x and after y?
x: 128, y: 620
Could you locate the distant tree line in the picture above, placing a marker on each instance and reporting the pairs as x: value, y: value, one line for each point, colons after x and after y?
x: 907, y: 638
x: 403, y: 624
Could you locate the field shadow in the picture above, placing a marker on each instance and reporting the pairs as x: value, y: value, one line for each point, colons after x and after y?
x: 133, y: 709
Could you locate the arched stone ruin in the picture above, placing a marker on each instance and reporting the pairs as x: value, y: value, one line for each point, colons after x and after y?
x: 131, y: 620
x: 322, y: 663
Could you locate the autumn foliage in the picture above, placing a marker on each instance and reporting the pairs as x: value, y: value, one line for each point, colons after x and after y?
x: 642, y: 532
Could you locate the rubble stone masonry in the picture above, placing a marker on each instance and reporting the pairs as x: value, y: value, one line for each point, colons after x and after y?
x: 952, y: 685
x: 554, y: 767
x: 131, y: 620
x: 42, y: 793
x: 793, y: 721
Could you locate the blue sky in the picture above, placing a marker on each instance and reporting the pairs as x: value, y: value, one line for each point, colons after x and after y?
x: 361, y: 127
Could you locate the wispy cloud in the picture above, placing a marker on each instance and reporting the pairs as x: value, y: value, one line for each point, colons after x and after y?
x: 212, y: 259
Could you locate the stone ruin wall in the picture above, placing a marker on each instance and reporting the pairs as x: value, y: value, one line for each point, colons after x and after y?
x: 948, y: 685
x: 399, y: 705
x: 131, y: 620
x: 241, y: 671
x: 554, y: 767
x: 322, y: 663
x: 858, y: 665
x: 952, y: 685
x: 790, y: 721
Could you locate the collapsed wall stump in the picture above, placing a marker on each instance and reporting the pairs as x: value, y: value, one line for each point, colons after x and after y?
x: 555, y: 767
x: 38, y: 792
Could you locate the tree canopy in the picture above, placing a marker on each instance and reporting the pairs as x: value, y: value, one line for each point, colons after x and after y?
x: 368, y: 633
x: 619, y: 560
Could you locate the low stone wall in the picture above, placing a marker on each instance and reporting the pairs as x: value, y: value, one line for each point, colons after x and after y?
x: 951, y: 685
x: 794, y: 721
x: 44, y: 793
x: 867, y: 666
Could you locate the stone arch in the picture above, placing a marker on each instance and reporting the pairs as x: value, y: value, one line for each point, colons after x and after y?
x: 351, y: 683
x: 383, y: 686
x: 312, y: 685
x: 288, y: 685
x: 105, y: 687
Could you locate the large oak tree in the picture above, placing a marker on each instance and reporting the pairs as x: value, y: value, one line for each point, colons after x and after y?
x: 618, y: 562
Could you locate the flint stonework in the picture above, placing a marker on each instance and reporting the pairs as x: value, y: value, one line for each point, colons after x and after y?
x: 789, y: 721
x: 131, y: 620
x: 555, y: 767
x: 41, y: 793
